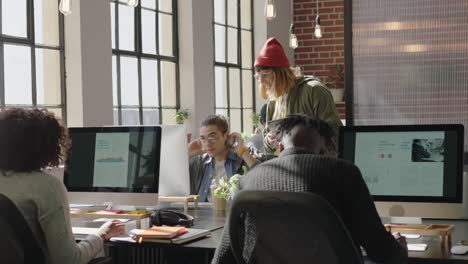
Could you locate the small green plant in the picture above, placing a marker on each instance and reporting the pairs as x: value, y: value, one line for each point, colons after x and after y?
x: 226, y: 187
x: 181, y: 115
x: 255, y: 119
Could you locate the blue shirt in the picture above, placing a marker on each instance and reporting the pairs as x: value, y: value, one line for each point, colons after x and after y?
x: 231, y: 166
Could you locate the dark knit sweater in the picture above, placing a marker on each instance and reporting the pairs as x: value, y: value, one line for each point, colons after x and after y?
x: 338, y: 181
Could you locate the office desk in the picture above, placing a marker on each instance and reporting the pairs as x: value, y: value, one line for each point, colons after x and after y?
x: 202, y: 250
x: 197, y: 251
x: 436, y: 254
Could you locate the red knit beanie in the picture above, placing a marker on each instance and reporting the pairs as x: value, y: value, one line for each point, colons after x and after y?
x: 272, y: 55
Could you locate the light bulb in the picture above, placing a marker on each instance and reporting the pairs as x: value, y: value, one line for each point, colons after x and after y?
x: 65, y: 7
x: 293, y: 43
x: 270, y: 9
x: 318, y: 29
x: 132, y: 3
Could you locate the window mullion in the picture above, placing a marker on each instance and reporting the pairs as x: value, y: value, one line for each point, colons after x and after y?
x: 31, y: 37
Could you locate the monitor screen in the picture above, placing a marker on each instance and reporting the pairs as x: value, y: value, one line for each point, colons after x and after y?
x: 113, y: 159
x: 412, y: 163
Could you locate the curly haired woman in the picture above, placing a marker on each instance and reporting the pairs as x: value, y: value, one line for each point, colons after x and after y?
x: 31, y: 140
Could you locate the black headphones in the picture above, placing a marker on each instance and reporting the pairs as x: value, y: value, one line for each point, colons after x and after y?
x: 171, y: 218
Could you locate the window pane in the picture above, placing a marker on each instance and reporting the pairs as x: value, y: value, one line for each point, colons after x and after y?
x: 235, y: 120
x: 248, y: 128
x: 149, y: 82
x: 232, y: 45
x: 220, y: 11
x: 46, y: 22
x: 165, y: 34
x: 57, y: 112
x: 234, y: 87
x: 126, y: 27
x: 168, y: 84
x: 148, y: 31
x: 223, y: 112
x: 168, y: 116
x: 114, y: 81
x: 220, y: 87
x: 130, y: 117
x: 17, y: 69
x: 220, y: 43
x: 112, y: 11
x: 247, y: 61
x: 247, y: 93
x: 150, y: 117
x: 165, y: 5
x: 48, y: 76
x: 129, y: 81
x: 14, y: 19
x: 116, y: 117
x: 246, y: 14
x: 149, y: 3
x: 232, y: 13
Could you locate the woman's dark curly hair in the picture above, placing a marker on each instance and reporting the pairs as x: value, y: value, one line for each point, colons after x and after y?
x: 30, y: 140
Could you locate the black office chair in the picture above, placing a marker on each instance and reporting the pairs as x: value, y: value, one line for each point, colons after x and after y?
x: 289, y: 227
x: 18, y: 243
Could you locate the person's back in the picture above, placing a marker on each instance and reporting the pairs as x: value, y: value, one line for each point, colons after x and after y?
x: 299, y: 168
x: 340, y: 183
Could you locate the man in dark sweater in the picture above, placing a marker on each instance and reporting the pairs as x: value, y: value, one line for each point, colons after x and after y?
x: 300, y: 169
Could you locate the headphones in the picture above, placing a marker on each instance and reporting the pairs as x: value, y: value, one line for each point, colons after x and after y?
x: 171, y: 218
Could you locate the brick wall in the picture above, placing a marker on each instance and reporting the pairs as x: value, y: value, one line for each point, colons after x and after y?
x: 317, y: 56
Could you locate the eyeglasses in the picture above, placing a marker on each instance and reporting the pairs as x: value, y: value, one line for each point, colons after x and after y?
x: 209, y: 139
x: 260, y: 75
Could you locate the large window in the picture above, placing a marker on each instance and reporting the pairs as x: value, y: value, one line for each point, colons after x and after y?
x: 31, y: 55
x: 145, y: 62
x: 234, y: 83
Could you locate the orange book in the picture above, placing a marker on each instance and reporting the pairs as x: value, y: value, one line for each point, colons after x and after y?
x: 163, y: 232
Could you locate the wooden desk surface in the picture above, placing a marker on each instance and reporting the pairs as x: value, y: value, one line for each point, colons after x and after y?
x: 206, y: 218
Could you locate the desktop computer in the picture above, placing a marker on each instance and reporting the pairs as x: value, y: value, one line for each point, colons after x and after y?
x: 410, y: 170
x: 116, y: 165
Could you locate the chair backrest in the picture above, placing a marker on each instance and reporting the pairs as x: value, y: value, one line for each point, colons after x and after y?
x: 288, y: 227
x: 17, y: 244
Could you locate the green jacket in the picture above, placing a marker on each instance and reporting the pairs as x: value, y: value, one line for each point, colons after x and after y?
x: 310, y: 96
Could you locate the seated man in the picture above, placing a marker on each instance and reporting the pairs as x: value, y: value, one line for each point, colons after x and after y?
x: 299, y: 168
x: 216, y: 154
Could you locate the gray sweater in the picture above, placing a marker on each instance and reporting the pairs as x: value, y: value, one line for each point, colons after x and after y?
x: 42, y: 199
x: 339, y: 182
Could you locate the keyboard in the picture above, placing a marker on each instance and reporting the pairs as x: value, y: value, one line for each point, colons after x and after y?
x: 84, y: 230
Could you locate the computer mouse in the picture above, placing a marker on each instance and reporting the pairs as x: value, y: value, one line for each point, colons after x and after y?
x: 459, y: 249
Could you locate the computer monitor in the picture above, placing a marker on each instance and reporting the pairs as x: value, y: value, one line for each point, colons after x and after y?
x: 174, y: 177
x: 119, y: 165
x: 410, y: 170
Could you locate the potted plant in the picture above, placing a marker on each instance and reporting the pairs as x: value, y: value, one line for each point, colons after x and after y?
x: 224, y: 189
x: 180, y: 116
x: 336, y: 82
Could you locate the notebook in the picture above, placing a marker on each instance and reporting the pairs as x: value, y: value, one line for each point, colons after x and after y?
x: 191, y: 234
x: 162, y: 232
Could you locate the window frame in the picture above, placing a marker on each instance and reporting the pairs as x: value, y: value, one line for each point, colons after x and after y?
x: 30, y: 41
x: 139, y: 55
x: 227, y: 66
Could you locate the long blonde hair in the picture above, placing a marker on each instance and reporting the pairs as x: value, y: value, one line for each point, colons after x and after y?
x: 284, y: 80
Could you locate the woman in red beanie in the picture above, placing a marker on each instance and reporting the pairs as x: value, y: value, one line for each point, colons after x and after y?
x: 289, y: 94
